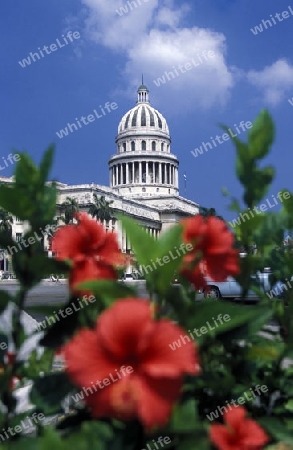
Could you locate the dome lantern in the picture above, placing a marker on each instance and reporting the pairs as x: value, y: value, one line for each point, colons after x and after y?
x: 142, y: 94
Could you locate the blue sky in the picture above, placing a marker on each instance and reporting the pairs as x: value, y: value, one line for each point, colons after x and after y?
x: 247, y: 73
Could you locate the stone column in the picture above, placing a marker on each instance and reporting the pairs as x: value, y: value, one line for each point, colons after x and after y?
x: 121, y: 173
x: 160, y: 173
x: 146, y: 172
x: 127, y: 173
x: 140, y: 173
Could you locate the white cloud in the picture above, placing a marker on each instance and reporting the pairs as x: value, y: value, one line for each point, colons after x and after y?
x: 107, y: 27
x: 163, y: 51
x: 152, y: 41
x: 167, y: 17
x: 274, y: 81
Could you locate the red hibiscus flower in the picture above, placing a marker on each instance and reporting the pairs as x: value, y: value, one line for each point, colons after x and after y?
x: 239, y: 434
x: 213, y: 245
x: 129, y: 365
x: 93, y: 252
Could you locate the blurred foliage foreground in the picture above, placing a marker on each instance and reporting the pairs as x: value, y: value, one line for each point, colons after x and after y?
x: 170, y: 372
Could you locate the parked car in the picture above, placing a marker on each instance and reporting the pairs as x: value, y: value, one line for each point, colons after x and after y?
x: 7, y: 276
x: 128, y: 277
x: 231, y: 289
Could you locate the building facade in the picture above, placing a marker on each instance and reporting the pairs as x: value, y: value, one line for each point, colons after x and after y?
x: 143, y: 178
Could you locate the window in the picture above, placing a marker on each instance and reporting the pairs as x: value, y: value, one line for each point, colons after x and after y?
x: 127, y: 121
x: 143, y: 117
x: 143, y: 189
x: 124, y: 146
x: 153, y: 146
x: 152, y: 119
x: 133, y: 146
x: 159, y: 120
x: 162, y: 147
x: 18, y: 237
x: 134, y: 118
x: 143, y: 145
x: 157, y: 189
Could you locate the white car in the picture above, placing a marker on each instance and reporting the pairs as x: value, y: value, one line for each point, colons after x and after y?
x: 231, y: 289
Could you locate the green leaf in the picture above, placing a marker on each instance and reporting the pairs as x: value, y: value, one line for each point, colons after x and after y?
x: 13, y: 201
x: 42, y: 266
x: 49, y: 390
x: 261, y: 136
x: 5, y: 298
x: 143, y: 244
x: 167, y: 260
x: 258, y: 185
x: 61, y: 330
x: 223, y: 317
x: 276, y: 428
x: 289, y: 405
x: 6, y: 241
x: 31, y: 265
x: 267, y: 351
x: 184, y: 418
x: 44, y: 309
x: 46, y: 163
x: 193, y: 442
x: 108, y: 290
x: 3, y: 346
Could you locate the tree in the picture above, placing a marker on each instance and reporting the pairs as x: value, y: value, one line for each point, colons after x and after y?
x: 209, y: 212
x: 6, y: 221
x: 68, y: 209
x: 101, y: 208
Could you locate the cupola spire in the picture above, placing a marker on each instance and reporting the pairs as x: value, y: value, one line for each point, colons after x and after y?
x: 142, y: 93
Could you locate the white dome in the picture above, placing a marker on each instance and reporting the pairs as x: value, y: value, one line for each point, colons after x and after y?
x: 144, y: 165
x: 143, y: 115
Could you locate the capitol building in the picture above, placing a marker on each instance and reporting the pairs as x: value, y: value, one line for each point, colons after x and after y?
x: 143, y: 177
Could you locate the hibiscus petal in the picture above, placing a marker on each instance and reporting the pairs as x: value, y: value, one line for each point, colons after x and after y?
x: 195, y: 277
x: 255, y: 436
x: 120, y: 399
x: 110, y: 252
x: 235, y: 416
x: 100, y: 403
x: 156, y: 399
x: 90, y: 270
x: 215, y: 241
x: 85, y: 360
x: 219, y: 239
x: 223, y: 438
x: 160, y: 360
x: 219, y: 267
x: 124, y: 328
x: 67, y: 242
x: 91, y: 230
